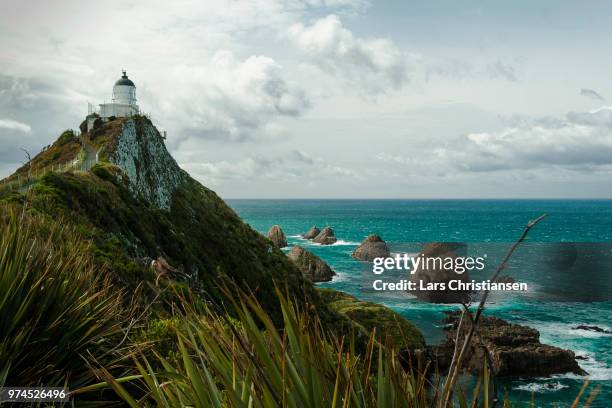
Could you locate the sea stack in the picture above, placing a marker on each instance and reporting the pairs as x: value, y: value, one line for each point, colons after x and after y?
x: 425, y: 276
x: 312, y: 233
x: 314, y: 268
x: 277, y: 236
x: 371, y: 247
x: 325, y: 237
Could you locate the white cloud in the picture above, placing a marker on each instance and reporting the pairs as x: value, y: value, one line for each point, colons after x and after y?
x: 234, y: 100
x: 376, y: 65
x: 357, y: 5
x: 579, y: 141
x: 499, y: 69
x: 292, y: 166
x: 465, y: 69
x: 14, y: 125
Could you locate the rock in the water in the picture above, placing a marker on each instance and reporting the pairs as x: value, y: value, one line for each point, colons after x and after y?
x: 277, y: 236
x: 325, y: 237
x: 592, y: 328
x: 312, y: 233
x: 424, y: 276
x: 514, y: 350
x: 314, y: 268
x: 372, y: 247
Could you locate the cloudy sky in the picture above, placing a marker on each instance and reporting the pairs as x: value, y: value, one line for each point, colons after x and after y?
x: 331, y: 98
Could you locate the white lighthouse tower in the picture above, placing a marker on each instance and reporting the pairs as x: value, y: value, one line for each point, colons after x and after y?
x: 124, y: 100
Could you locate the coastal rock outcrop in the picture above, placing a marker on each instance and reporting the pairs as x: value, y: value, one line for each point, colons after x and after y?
x: 430, y: 273
x: 513, y: 350
x: 595, y: 329
x: 314, y: 268
x: 277, y: 236
x: 325, y: 237
x: 312, y: 233
x: 371, y: 247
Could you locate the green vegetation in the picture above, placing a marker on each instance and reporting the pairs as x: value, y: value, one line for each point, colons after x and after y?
x: 200, y: 237
x: 68, y: 325
x: 62, y: 151
x: 123, y: 302
x: 374, y: 318
x: 55, y: 305
x: 226, y: 363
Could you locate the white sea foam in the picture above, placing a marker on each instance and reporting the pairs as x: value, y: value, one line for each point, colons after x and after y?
x: 339, y: 277
x: 562, y: 335
x: 342, y: 242
x: 567, y: 330
x: 540, y: 387
x: 597, y: 370
x: 339, y: 242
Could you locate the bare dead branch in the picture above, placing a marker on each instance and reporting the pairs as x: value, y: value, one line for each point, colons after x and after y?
x: 454, y: 370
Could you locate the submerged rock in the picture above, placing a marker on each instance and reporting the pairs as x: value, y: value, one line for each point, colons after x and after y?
x: 314, y: 268
x: 277, y: 236
x: 371, y: 247
x: 427, y: 276
x: 514, y: 350
x: 312, y: 232
x: 592, y: 328
x: 325, y: 237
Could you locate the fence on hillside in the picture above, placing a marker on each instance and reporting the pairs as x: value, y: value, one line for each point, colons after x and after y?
x: 85, y: 160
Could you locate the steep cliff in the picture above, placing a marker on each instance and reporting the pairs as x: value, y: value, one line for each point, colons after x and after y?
x: 140, y: 152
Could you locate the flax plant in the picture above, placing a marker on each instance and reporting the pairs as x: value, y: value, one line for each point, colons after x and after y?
x: 55, y: 307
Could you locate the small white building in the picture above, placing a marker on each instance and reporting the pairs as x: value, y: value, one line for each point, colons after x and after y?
x: 123, y: 103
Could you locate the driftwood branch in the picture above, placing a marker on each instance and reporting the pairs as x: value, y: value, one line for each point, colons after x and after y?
x: 28, y: 162
x: 455, y: 368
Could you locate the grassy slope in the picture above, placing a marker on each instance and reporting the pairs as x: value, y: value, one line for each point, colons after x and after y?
x: 370, y: 316
x: 62, y: 151
x: 200, y: 236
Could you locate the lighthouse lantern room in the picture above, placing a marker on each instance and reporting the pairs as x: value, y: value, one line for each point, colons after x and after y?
x: 123, y: 102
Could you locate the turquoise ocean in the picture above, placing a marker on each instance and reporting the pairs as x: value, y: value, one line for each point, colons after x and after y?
x: 496, y: 223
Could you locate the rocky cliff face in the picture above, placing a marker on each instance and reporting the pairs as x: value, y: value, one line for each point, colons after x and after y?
x: 139, y: 150
x: 512, y: 350
x: 314, y: 268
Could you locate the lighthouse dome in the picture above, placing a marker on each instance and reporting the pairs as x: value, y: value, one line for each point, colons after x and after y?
x: 124, y: 80
x: 124, y: 91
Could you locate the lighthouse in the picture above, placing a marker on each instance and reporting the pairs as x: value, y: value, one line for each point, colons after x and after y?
x: 123, y: 101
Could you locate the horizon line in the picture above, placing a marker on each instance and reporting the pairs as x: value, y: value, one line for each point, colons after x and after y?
x: 425, y: 198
